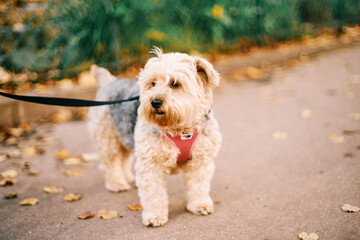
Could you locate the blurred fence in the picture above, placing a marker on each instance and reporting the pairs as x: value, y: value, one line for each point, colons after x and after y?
x: 57, y: 38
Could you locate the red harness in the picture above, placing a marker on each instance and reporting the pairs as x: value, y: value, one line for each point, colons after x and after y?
x: 185, y: 143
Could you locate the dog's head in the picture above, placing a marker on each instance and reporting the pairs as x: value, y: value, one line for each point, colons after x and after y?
x: 176, y: 89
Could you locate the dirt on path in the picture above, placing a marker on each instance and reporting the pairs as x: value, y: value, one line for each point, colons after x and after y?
x: 281, y: 170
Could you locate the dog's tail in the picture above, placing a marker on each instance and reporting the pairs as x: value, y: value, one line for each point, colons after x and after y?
x: 102, y: 75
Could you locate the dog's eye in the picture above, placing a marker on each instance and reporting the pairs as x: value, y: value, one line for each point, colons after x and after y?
x: 153, y: 84
x: 175, y: 84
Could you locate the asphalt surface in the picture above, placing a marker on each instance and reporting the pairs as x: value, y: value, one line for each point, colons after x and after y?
x: 278, y: 174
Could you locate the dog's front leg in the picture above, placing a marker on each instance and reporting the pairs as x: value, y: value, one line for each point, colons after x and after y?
x: 197, y: 176
x: 152, y: 192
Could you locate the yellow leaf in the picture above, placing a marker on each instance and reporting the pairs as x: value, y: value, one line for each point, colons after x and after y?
x: 11, y: 195
x: 135, y: 207
x: 90, y: 157
x: 255, y: 73
x: 16, y: 132
x: 306, y: 113
x: 279, y: 135
x: 9, y: 173
x: 71, y: 197
x: 349, y: 208
x: 53, y: 189
x: 29, y: 201
x: 28, y: 152
x: 62, y: 154
x: 86, y: 215
x: 217, y: 11
x: 72, y: 161
x: 74, y: 173
x: 305, y: 236
x: 335, y: 138
x: 107, y: 214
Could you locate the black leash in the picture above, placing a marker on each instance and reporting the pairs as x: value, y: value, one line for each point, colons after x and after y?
x: 66, y: 102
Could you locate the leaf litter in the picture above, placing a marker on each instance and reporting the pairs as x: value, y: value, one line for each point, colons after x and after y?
x: 11, y: 195
x: 305, y: 236
x: 349, y: 208
x: 135, y: 207
x: 53, y: 189
x: 86, y: 215
x: 72, y: 197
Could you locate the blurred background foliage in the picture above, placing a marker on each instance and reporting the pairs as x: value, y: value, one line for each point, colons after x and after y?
x: 60, y: 38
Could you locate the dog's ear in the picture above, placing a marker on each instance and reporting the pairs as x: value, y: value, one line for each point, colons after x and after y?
x: 206, y: 72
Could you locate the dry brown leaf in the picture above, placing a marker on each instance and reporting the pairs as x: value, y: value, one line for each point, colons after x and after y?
x: 349, y: 208
x: 107, y: 214
x: 5, y: 182
x: 90, y: 157
x: 32, y: 173
x: 306, y: 113
x: 335, y: 138
x: 29, y: 201
x: 72, y: 161
x: 53, y: 189
x: 62, y: 154
x: 22, y: 164
x: 135, y: 207
x: 11, y: 173
x: 279, y: 135
x: 86, y: 215
x: 74, y: 173
x: 305, y: 236
x: 71, y: 197
x: 10, y: 195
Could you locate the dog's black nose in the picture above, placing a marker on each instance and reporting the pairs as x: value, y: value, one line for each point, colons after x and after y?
x: 156, y: 103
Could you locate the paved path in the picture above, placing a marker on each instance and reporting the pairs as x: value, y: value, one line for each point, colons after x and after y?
x: 263, y: 188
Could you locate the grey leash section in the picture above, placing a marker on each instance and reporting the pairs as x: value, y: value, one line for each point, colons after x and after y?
x: 66, y: 102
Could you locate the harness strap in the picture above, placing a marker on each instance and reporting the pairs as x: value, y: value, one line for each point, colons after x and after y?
x: 185, y: 143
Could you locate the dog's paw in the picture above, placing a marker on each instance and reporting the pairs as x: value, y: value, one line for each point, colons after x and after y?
x: 153, y: 220
x: 114, y: 186
x: 201, y: 207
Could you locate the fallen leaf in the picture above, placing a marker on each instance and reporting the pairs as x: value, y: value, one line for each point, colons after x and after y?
x: 29, y: 201
x: 306, y: 113
x: 5, y: 182
x: 86, y: 215
x: 28, y: 152
x: 62, y: 154
x: 349, y: 208
x: 22, y: 164
x: 10, y: 195
x: 354, y: 116
x: 90, y: 157
x: 53, y: 189
x: 63, y: 115
x: 25, y: 127
x: 335, y: 138
x: 11, y: 141
x: 107, y: 214
x: 72, y: 161
x: 135, y: 207
x: 14, y: 154
x: 74, y: 173
x: 349, y: 155
x: 350, y: 95
x: 9, y: 173
x: 254, y: 73
x: 71, y: 197
x: 279, y: 135
x: 32, y: 173
x: 305, y: 236
x: 16, y: 132
x: 351, y: 132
